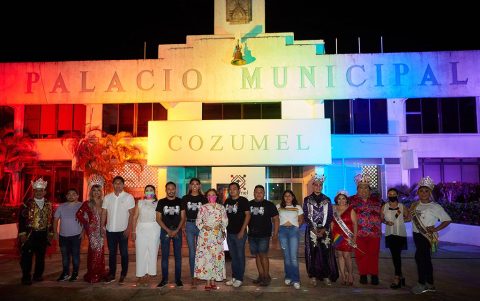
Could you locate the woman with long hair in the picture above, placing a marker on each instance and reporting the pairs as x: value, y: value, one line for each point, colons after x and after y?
x: 89, y: 216
x: 344, y: 230
x: 291, y: 217
x: 192, y: 202
x: 146, y: 234
x: 209, y: 259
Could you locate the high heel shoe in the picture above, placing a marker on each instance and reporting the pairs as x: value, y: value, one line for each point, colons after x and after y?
x: 397, y: 283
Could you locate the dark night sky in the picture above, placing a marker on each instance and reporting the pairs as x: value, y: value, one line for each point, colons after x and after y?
x: 93, y: 32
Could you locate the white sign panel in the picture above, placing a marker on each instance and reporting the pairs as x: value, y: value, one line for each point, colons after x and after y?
x: 239, y: 142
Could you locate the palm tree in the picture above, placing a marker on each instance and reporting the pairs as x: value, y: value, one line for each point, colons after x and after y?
x: 16, y: 150
x: 104, y: 154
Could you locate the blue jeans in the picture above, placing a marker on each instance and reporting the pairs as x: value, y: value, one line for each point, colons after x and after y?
x: 177, y: 252
x: 289, y: 237
x: 115, y: 240
x: 192, y: 237
x: 236, y: 248
x: 70, y: 247
x: 259, y: 245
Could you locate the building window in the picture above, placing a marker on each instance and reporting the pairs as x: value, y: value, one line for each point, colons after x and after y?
x: 132, y: 118
x: 441, y: 115
x: 222, y: 111
x: 6, y: 118
x: 357, y: 116
x: 444, y: 170
x: 55, y: 121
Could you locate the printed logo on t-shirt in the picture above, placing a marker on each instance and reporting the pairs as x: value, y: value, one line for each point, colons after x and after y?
x: 231, y: 208
x: 193, y: 206
x: 167, y: 210
x: 257, y: 210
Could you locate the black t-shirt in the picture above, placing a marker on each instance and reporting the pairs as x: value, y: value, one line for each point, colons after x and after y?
x: 261, y: 218
x: 192, y: 205
x: 170, y: 211
x: 236, y: 213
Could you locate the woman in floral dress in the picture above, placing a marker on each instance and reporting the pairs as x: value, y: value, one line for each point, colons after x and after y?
x: 89, y: 216
x: 209, y: 258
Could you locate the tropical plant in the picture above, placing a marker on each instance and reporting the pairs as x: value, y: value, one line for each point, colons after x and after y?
x: 106, y: 155
x: 16, y: 150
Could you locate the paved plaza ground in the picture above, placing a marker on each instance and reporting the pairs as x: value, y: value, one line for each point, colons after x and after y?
x: 456, y: 271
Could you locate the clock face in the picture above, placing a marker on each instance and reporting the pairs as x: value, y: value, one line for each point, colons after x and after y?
x: 239, y: 11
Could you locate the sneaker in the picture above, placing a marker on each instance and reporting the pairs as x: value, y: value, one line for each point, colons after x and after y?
x: 162, y: 283
x: 179, y: 283
x: 419, y: 289
x: 430, y: 287
x: 288, y: 282
x: 237, y: 283
x: 327, y: 281
x: 122, y: 279
x: 296, y: 285
x: 230, y: 282
x: 63, y: 277
x: 73, y: 278
x: 109, y: 279
x: 313, y: 280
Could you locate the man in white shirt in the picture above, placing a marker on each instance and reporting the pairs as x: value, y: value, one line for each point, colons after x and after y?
x: 117, y: 216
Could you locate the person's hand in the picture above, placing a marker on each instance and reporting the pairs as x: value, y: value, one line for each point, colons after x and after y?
x: 134, y: 236
x: 388, y: 223
x: 126, y: 233
x: 320, y: 232
x: 275, y: 237
x: 23, y: 238
x: 240, y: 234
x: 431, y: 229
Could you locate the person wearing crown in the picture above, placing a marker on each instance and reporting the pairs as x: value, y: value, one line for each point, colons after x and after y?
x: 319, y: 252
x: 369, y: 232
x: 89, y: 215
x: 425, y: 214
x: 35, y: 232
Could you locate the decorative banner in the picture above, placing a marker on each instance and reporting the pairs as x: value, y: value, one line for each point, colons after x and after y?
x: 246, y: 177
x: 239, y: 142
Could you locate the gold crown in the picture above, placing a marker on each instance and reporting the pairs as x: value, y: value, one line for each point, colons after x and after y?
x: 426, y: 182
x: 362, y: 179
x: 39, y: 184
x: 318, y: 178
x: 96, y: 179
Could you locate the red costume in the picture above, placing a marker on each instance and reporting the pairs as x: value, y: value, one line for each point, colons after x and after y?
x: 343, y: 245
x: 369, y: 233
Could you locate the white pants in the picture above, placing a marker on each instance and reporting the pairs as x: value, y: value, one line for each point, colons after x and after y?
x: 146, y: 247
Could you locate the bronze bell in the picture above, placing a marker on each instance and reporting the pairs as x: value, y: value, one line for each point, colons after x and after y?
x: 238, y: 56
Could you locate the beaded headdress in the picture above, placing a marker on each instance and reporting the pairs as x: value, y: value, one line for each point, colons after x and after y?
x: 344, y: 192
x: 39, y: 184
x: 318, y: 178
x: 96, y: 179
x: 426, y: 182
x: 362, y: 179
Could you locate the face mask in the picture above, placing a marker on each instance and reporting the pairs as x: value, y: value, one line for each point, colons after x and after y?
x: 149, y: 195
x: 212, y: 199
x: 393, y: 198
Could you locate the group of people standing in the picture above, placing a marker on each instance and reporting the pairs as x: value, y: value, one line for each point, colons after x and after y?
x: 333, y: 232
